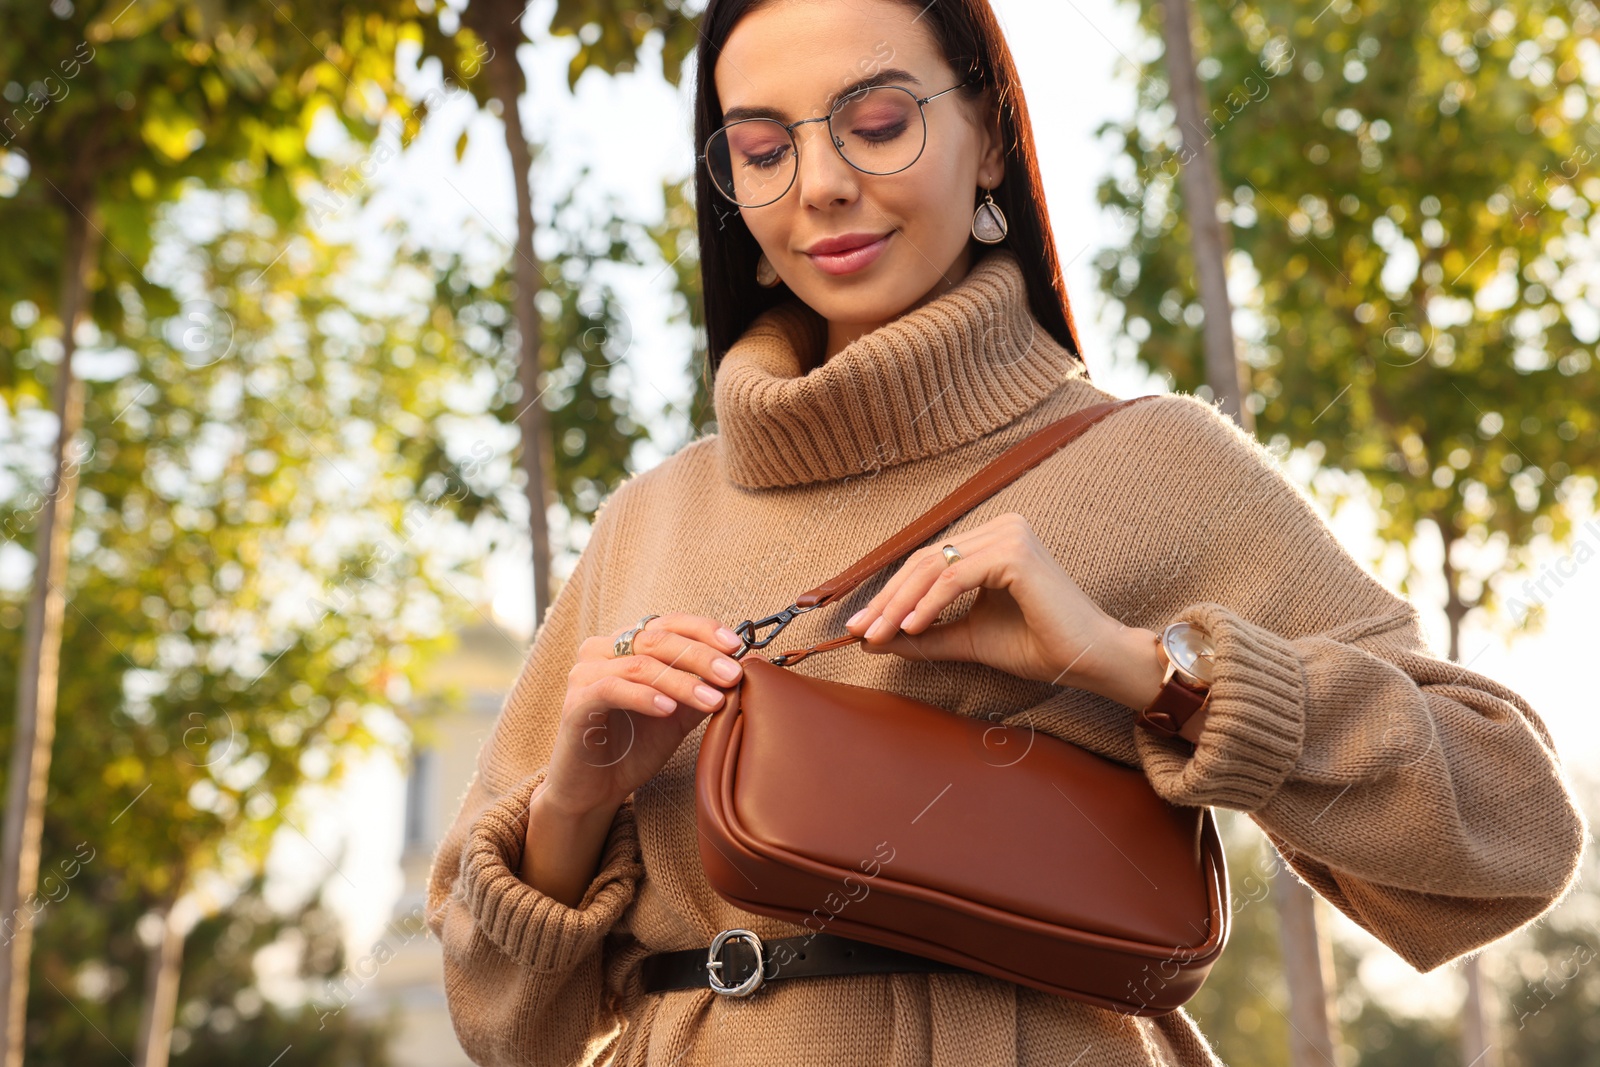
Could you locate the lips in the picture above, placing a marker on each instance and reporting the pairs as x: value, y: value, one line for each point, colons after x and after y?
x: 843, y: 243
x: 848, y: 252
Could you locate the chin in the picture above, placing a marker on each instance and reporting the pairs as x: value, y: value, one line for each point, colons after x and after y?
x: 846, y: 300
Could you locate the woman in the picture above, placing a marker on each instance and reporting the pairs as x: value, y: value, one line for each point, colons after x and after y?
x: 869, y: 354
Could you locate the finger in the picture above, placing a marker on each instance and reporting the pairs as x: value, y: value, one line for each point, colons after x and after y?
x: 604, y: 646
x: 675, y: 660
x: 681, y: 686
x: 693, y: 648
x: 676, y: 620
x: 972, y: 571
x: 927, y: 586
x: 675, y: 688
x: 911, y: 585
x: 703, y: 628
x: 681, y: 668
x: 925, y: 561
x: 618, y: 691
x: 946, y: 641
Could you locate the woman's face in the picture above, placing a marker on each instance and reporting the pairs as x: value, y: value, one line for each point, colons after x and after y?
x: 910, y: 231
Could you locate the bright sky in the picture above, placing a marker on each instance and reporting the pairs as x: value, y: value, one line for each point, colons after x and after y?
x: 635, y: 130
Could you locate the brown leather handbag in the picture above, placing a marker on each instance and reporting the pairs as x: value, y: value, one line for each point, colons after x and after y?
x: 993, y: 847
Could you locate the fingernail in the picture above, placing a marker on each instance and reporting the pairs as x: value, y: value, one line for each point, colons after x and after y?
x: 729, y: 639
x: 665, y: 703
x: 707, y: 694
x: 876, y: 628
x: 857, y: 617
x: 725, y: 669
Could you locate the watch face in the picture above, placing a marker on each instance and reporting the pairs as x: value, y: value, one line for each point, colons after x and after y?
x: 1190, y: 649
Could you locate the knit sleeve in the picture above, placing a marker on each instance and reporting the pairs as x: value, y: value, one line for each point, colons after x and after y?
x: 524, y: 974
x: 1424, y: 800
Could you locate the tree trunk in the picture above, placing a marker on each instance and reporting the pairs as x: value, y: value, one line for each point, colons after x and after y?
x: 499, y: 24
x: 38, y: 674
x: 1308, y: 971
x: 1201, y: 192
x: 1476, y: 1048
x: 162, y: 973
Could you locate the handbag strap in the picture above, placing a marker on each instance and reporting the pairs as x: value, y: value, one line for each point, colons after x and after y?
x: 995, y: 475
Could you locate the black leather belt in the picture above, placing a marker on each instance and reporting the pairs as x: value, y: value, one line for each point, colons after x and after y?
x: 729, y: 964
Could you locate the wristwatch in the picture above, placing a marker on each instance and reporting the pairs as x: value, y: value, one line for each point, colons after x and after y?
x: 1186, y: 685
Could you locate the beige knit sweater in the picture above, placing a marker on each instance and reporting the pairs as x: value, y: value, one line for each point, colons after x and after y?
x: 1422, y: 799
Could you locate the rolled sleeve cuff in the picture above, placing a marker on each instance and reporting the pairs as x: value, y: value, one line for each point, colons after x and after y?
x: 1254, y: 726
x: 527, y: 925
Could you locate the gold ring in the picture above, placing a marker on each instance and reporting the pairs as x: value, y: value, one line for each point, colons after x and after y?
x: 623, y: 646
x: 951, y: 553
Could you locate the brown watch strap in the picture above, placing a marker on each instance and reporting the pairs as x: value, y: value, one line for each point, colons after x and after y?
x: 1173, y: 707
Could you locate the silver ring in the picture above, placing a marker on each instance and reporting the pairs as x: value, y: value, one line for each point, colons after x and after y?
x: 623, y: 646
x: 951, y: 553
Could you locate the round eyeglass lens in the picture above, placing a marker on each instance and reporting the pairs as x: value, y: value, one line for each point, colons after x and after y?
x: 752, y: 162
x: 879, y: 130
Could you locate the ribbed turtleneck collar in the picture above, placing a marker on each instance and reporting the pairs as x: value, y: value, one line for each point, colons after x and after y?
x: 964, y: 364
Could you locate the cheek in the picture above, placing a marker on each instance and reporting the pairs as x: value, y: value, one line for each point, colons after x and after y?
x: 936, y: 192
x: 911, y: 200
x: 934, y: 209
x: 770, y: 227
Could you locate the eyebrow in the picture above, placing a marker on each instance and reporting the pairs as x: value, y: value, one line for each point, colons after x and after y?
x: 883, y: 77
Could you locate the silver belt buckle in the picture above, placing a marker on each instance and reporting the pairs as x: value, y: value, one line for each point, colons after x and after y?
x: 714, y: 965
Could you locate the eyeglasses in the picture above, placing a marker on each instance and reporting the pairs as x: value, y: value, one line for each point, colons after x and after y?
x: 877, y: 130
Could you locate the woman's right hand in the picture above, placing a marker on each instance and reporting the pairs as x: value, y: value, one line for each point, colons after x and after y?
x: 614, y: 735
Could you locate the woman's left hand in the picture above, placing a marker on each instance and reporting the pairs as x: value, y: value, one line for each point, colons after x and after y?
x: 1029, y: 618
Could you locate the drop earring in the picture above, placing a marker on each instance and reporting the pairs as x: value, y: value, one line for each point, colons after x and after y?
x: 766, y: 273
x: 989, y: 222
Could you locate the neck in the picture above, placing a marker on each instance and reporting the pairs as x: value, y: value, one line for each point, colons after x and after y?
x: 842, y: 334
x: 968, y: 361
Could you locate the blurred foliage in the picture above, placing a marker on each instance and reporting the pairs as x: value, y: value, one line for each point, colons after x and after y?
x: 678, y: 244
x: 267, y: 556
x: 587, y: 336
x: 1551, y: 995
x: 277, y: 500
x: 90, y: 969
x: 112, y: 112
x: 1410, y: 193
x: 611, y: 32
x: 1384, y: 1039
x: 113, y: 108
x: 584, y: 329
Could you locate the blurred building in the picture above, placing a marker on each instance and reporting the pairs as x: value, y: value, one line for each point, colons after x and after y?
x: 411, y: 983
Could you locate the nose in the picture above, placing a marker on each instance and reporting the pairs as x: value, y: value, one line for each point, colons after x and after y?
x: 824, y: 177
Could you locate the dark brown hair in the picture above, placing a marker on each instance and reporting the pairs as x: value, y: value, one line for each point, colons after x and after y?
x: 970, y: 39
